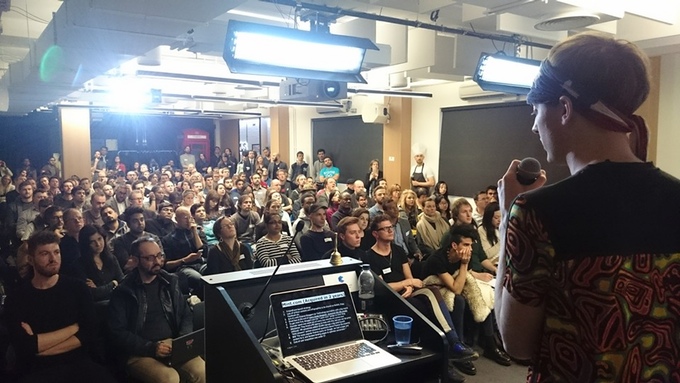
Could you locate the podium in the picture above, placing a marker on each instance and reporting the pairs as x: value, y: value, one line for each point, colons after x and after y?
x: 232, y: 346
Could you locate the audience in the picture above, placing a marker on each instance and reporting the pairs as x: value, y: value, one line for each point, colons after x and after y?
x: 137, y: 224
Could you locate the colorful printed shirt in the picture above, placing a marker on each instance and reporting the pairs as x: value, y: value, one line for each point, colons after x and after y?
x: 593, y: 250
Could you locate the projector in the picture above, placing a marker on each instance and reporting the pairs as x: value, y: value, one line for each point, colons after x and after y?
x: 296, y: 89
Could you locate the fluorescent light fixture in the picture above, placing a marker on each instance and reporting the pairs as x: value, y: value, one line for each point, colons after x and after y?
x: 391, y: 93
x: 276, y: 51
x: 501, y: 73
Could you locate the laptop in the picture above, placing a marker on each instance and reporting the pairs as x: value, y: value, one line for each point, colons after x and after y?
x: 187, y: 347
x: 320, y: 334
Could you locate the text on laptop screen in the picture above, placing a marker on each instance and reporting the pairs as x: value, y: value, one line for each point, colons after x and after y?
x: 314, y: 318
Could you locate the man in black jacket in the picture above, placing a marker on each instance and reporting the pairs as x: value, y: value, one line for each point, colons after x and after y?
x: 146, y: 311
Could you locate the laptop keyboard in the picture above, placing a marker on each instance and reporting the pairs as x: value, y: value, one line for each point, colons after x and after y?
x: 335, y: 355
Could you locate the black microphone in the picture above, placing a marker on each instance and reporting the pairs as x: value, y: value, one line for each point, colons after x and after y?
x: 528, y: 171
x: 246, y: 309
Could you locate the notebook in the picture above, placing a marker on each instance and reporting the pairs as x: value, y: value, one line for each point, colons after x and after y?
x: 187, y: 347
x: 318, y: 324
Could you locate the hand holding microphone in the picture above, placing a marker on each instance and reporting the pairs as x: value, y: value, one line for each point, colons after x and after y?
x: 522, y: 176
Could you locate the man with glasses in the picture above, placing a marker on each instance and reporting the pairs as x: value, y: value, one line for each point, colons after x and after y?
x: 391, y: 264
x: 146, y: 312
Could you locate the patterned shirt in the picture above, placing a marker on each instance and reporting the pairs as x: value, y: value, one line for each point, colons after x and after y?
x: 605, y: 269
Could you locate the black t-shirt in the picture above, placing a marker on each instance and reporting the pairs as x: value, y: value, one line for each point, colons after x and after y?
x: 438, y: 263
x: 390, y: 267
x: 156, y: 326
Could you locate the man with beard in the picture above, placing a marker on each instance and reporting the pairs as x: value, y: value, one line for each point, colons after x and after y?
x: 65, y: 199
x: 113, y: 226
x: 146, y: 311
x: 121, y: 245
x: 51, y: 320
x: 93, y: 215
x: 163, y: 224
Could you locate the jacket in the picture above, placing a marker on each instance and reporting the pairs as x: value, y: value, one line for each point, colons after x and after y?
x: 127, y: 312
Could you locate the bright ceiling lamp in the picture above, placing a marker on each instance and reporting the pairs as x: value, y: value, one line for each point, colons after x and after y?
x: 275, y: 51
x: 501, y: 73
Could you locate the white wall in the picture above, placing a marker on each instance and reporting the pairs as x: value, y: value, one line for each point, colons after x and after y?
x: 668, y: 153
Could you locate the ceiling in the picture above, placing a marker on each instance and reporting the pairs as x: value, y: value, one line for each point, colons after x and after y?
x: 85, y: 52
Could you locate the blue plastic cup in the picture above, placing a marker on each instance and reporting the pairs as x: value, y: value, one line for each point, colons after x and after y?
x: 402, y: 329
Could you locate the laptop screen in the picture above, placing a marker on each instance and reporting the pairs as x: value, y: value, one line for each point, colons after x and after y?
x: 313, y: 318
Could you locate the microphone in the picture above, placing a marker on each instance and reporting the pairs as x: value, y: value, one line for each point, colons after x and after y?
x: 528, y: 171
x: 246, y: 309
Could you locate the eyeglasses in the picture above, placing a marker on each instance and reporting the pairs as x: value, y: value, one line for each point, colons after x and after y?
x: 151, y: 258
x: 388, y: 229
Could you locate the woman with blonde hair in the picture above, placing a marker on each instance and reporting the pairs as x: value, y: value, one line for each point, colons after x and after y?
x: 408, y: 207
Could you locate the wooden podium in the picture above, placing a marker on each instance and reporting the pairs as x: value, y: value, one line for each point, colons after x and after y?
x: 233, y: 350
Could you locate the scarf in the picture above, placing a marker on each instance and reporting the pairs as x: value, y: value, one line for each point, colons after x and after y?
x: 232, y: 254
x: 432, y: 235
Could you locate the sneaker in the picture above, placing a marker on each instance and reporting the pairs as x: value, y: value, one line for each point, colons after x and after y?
x: 461, y: 353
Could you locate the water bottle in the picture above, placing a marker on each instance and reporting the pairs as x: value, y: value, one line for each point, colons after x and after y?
x: 366, y: 287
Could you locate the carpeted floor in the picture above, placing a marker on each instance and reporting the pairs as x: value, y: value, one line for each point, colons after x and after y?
x: 489, y: 371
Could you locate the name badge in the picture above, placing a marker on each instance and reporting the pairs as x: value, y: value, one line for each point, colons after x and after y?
x: 240, y: 257
x: 251, y: 226
x: 408, y: 233
x: 328, y: 239
x: 386, y: 270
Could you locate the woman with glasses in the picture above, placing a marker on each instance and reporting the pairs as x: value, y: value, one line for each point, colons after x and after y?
x: 96, y: 265
x: 228, y: 254
x: 271, y: 249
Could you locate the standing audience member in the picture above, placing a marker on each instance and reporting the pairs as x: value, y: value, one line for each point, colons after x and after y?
x: 318, y: 165
x: 422, y: 176
x: 374, y: 174
x: 51, y: 320
x: 299, y: 167
x: 146, y: 312
x: 595, y: 296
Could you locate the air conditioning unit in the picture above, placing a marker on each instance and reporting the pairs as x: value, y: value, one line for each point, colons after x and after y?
x: 375, y: 114
x: 469, y: 90
x: 296, y: 89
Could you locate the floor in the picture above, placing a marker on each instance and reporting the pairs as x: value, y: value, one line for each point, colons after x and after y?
x: 489, y: 371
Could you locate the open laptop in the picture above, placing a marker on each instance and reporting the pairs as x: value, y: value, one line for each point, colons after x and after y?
x: 318, y: 326
x: 187, y: 347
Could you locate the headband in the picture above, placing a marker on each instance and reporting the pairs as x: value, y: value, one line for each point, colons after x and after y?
x: 550, y: 85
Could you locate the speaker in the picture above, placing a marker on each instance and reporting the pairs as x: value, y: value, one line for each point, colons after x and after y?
x: 375, y: 114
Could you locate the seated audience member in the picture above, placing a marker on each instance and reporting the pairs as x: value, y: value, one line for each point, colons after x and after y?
x: 441, y: 189
x: 70, y: 251
x: 163, y: 224
x: 184, y: 249
x: 431, y: 228
x: 272, y: 206
x: 403, y: 235
x: 275, y: 196
x: 146, y: 311
x: 65, y: 198
x: 344, y: 209
x: 361, y: 198
x: 204, y: 224
x: 349, y: 239
x: 6, y: 186
x: 51, y: 320
x: 329, y: 170
x: 391, y: 264
x: 480, y: 267
x: 367, y: 241
x: 271, y: 249
x: 323, y: 197
x: 96, y: 265
x: 393, y: 192
x: 79, y: 199
x: 408, y: 208
x: 245, y: 220
x: 228, y: 254
x: 492, y: 193
x: 318, y: 239
x: 489, y: 233
x: 444, y: 208
x: 451, y: 264
x: 25, y: 226
x: 113, y: 226
x: 333, y: 204
x: 422, y: 194
x: 481, y: 200
x: 122, y: 244
x: 379, y: 197
x: 54, y: 220
x: 93, y: 215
